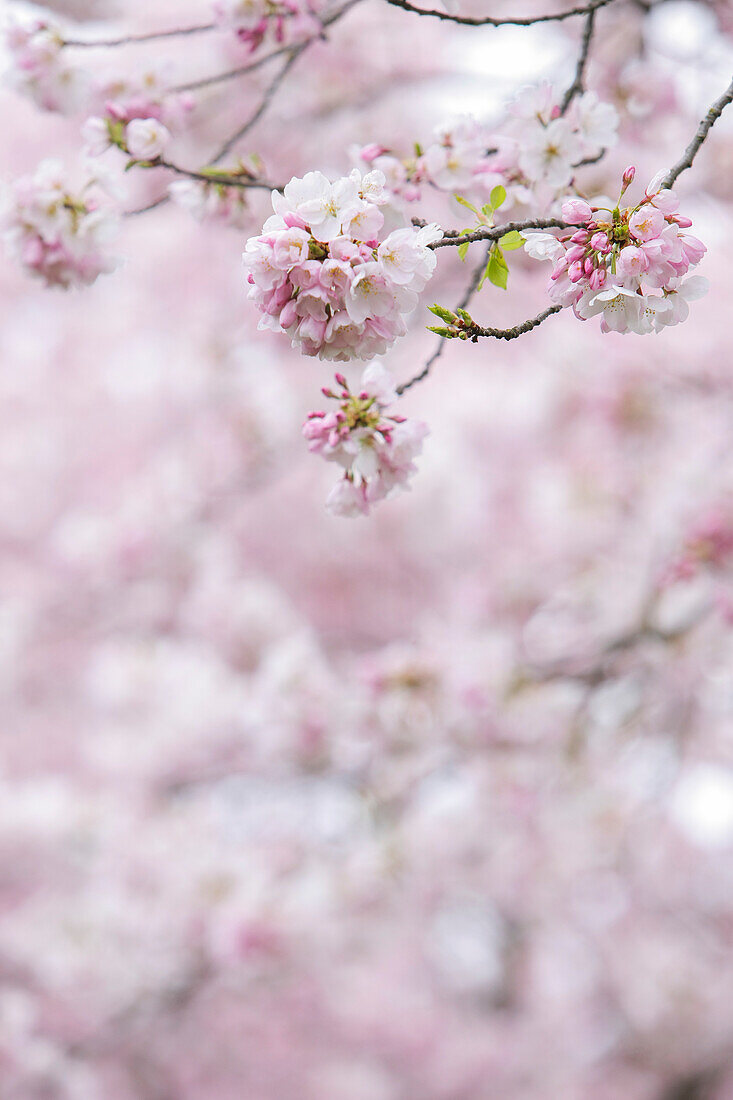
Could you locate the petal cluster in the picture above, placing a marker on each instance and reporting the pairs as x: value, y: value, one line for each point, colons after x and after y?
x: 323, y: 272
x: 38, y: 68
x: 279, y: 22
x: 376, y: 451
x: 58, y: 233
x: 533, y: 154
x: 626, y: 264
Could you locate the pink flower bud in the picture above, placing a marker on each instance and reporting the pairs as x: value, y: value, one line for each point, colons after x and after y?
x: 576, y: 211
x: 597, y: 279
x: 580, y: 237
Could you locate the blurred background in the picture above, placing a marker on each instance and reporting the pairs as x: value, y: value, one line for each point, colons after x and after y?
x: 434, y: 805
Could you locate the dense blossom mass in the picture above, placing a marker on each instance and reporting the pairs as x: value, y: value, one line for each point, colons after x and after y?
x: 328, y: 273
x: 617, y: 257
x: 376, y: 450
x: 533, y: 152
x: 59, y: 231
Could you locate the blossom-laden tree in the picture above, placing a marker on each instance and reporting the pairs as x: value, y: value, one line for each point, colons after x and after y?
x: 438, y: 804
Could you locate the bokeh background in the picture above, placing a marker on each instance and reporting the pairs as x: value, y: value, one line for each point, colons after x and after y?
x: 434, y: 805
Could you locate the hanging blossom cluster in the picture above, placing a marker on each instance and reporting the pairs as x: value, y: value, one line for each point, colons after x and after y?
x: 534, y: 154
x: 376, y: 451
x: 59, y: 232
x: 282, y: 23
x: 38, y: 69
x: 616, y: 257
x: 321, y: 274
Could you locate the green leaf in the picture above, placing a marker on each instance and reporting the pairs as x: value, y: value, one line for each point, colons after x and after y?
x: 487, y: 209
x: 510, y: 241
x: 463, y: 249
x: 465, y: 202
x: 443, y: 313
x: 497, y: 271
x: 465, y: 316
x: 444, y: 332
x: 497, y: 196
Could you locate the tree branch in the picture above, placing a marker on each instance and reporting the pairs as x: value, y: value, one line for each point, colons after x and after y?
x: 440, y: 347
x: 577, y: 86
x: 267, y: 98
x: 252, y: 66
x: 489, y: 21
x: 475, y: 331
x: 702, y: 132
x: 130, y: 39
x: 451, y: 237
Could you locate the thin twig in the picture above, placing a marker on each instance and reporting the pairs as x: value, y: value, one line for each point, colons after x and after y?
x: 267, y: 98
x: 252, y: 66
x: 231, y: 74
x: 517, y: 330
x: 224, y: 180
x: 440, y: 347
x: 495, y: 233
x: 130, y: 39
x: 490, y: 21
x: 577, y: 86
x: 702, y: 132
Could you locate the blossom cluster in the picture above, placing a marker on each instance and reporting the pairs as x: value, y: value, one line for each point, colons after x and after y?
x: 616, y: 256
x: 320, y: 273
x: 533, y: 153
x: 143, y: 139
x: 281, y: 22
x: 57, y: 232
x: 135, y: 115
x: 38, y: 68
x: 376, y: 451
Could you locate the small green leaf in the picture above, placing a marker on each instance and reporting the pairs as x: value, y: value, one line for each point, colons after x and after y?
x: 510, y: 241
x: 443, y: 313
x: 418, y: 149
x: 463, y: 249
x: 446, y: 333
x: 497, y: 196
x: 464, y: 316
x: 498, y: 271
x: 487, y: 209
x: 465, y: 202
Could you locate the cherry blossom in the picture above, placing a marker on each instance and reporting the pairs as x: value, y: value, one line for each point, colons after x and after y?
x: 321, y: 274
x: 377, y: 451
x: 58, y: 232
x: 611, y: 263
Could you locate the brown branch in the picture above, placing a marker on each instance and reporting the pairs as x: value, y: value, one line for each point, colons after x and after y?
x: 242, y: 183
x: 490, y: 21
x: 702, y: 132
x: 267, y: 98
x: 494, y: 233
x: 475, y: 331
x: 577, y: 86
